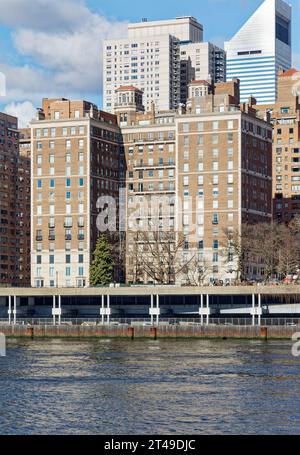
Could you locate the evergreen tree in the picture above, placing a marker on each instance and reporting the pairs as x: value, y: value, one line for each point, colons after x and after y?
x: 102, y: 267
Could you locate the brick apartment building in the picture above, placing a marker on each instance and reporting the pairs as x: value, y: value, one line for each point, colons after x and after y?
x: 75, y: 160
x: 14, y: 206
x: 285, y: 117
x: 209, y: 166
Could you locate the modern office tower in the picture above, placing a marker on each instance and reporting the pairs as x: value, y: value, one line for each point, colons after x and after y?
x: 207, y: 170
x: 160, y: 58
x: 285, y: 117
x: 14, y: 206
x: 75, y: 160
x: 260, y: 49
x: 200, y: 61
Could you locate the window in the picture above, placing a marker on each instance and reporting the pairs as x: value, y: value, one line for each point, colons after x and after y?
x: 52, y: 183
x: 215, y: 139
x: 215, y: 257
x: 230, y: 125
x: 215, y: 219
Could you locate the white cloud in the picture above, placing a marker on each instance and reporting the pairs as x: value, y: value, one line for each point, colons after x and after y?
x: 52, y: 15
x: 62, y: 40
x: 24, y: 111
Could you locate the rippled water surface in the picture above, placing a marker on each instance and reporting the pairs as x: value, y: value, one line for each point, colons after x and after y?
x: 149, y: 387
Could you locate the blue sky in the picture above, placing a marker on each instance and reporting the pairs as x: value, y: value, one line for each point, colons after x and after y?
x: 52, y: 48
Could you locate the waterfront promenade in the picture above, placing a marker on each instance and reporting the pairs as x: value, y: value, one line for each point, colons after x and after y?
x: 280, y: 290
x: 151, y: 311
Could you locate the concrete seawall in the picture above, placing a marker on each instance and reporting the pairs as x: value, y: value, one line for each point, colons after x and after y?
x: 174, y: 331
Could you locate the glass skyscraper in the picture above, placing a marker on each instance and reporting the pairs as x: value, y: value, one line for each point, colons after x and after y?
x: 260, y: 49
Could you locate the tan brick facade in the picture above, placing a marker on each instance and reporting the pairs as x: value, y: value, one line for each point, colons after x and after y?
x: 210, y: 162
x: 285, y: 115
x: 75, y: 160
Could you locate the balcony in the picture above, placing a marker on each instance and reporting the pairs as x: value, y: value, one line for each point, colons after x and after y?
x: 51, y: 237
x: 39, y: 238
x: 68, y: 225
x: 80, y: 237
x: 68, y: 237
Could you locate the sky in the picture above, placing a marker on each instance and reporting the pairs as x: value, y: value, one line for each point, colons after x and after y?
x: 53, y: 48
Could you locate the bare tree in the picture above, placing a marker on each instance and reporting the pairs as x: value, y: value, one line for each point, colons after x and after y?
x: 267, y: 243
x: 196, y: 271
x: 237, y: 248
x: 161, y: 255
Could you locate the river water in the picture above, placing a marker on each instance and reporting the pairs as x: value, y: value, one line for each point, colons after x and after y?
x: 149, y: 387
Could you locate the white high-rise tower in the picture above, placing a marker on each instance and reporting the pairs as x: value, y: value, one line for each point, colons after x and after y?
x: 260, y: 49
